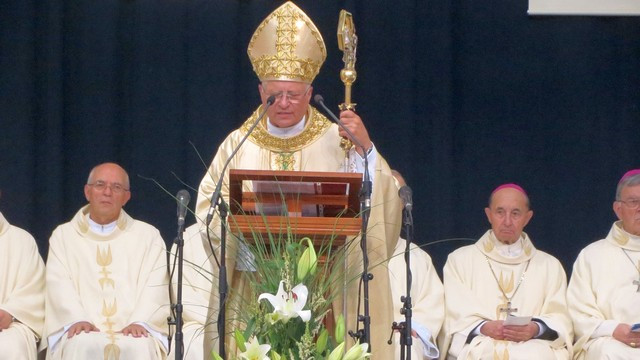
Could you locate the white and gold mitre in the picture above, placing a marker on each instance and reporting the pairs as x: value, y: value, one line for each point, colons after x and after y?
x: 287, y: 46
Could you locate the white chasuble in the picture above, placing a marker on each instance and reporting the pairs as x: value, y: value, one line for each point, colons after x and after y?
x: 316, y: 148
x: 603, y: 292
x: 111, y: 281
x: 427, y: 297
x: 533, y: 284
x: 21, y: 292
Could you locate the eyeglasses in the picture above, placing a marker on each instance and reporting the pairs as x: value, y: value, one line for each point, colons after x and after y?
x: 293, y: 97
x: 115, y: 187
x: 631, y: 204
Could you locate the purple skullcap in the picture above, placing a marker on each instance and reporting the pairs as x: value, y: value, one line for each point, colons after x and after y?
x: 629, y: 174
x: 510, y: 185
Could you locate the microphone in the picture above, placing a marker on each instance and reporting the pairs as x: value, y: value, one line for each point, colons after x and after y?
x: 320, y: 101
x: 405, y: 194
x: 182, y: 198
x: 216, y: 194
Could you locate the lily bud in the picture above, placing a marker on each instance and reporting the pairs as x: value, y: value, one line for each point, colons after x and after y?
x: 321, y: 343
x: 308, y: 261
x: 357, y: 352
x: 336, y: 354
x: 240, y: 340
x: 339, y: 332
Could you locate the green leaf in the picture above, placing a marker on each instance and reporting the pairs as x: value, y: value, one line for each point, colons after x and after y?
x: 215, y: 356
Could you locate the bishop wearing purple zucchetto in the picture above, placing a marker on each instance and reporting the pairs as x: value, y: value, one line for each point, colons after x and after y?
x: 504, y: 298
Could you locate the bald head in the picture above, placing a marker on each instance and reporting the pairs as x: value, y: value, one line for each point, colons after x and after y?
x: 91, y: 178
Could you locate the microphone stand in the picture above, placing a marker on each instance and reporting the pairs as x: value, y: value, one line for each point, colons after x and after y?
x: 405, y: 326
x: 183, y: 198
x: 406, y: 340
x: 222, y: 274
x: 364, y: 334
x: 218, y: 202
x: 179, y: 345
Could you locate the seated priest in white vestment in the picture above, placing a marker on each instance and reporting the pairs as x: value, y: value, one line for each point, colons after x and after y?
x: 295, y: 136
x: 604, y: 291
x: 427, y: 300
x: 21, y: 293
x: 505, y: 299
x: 199, y: 294
x: 107, y: 285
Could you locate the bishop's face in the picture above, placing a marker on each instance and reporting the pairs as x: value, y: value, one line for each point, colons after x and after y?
x: 292, y: 101
x: 508, y: 214
x: 624, y: 209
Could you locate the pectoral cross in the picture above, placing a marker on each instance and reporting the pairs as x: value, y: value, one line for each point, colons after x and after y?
x: 509, y: 309
x: 637, y: 282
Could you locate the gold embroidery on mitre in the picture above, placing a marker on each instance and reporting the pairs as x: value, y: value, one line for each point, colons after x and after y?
x: 316, y: 125
x: 298, y: 51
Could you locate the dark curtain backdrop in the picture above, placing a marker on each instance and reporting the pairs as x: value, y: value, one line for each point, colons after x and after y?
x: 459, y: 96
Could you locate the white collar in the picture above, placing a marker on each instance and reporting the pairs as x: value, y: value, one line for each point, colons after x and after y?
x: 288, y: 131
x: 510, y: 250
x: 101, y: 229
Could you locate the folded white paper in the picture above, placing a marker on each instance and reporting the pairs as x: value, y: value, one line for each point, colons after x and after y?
x: 517, y: 320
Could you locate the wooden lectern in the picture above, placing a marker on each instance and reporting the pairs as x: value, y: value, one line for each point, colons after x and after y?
x: 323, y: 206
x: 319, y: 205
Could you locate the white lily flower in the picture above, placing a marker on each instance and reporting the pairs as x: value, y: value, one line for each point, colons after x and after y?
x: 288, y: 305
x: 255, y: 351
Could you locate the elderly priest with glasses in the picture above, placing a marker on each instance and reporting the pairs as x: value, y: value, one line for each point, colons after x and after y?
x: 286, y: 52
x: 604, y: 291
x: 106, y: 279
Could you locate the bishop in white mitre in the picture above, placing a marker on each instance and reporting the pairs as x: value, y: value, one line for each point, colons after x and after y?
x: 604, y: 291
x: 294, y: 136
x: 505, y: 299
